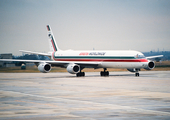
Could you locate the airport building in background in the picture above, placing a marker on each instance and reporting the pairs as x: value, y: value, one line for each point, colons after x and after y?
x: 6, y: 64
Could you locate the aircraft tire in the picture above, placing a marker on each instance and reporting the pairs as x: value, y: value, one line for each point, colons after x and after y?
x: 102, y: 73
x: 107, y: 73
x: 137, y: 74
x: 80, y: 74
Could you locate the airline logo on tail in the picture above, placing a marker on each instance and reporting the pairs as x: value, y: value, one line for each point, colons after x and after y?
x: 51, y: 38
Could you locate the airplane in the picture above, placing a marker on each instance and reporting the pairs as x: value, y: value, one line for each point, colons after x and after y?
x: 76, y: 61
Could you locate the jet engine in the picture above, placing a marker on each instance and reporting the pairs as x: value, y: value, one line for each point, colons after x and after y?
x: 73, y: 68
x: 150, y: 66
x: 44, y: 67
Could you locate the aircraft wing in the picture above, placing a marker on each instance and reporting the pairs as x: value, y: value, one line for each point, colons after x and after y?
x: 37, y: 53
x: 157, y: 58
x: 19, y: 60
x: 55, y: 63
x: 65, y: 63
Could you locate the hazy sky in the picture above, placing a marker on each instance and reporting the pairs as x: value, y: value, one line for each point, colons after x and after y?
x: 142, y: 25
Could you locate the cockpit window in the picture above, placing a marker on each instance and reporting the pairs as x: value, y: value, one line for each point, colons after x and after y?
x: 140, y: 56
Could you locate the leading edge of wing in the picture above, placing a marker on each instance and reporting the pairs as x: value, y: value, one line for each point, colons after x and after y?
x: 19, y: 60
x: 83, y: 64
x: 52, y: 62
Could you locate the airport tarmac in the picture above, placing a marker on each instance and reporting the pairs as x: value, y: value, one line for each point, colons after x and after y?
x: 51, y: 96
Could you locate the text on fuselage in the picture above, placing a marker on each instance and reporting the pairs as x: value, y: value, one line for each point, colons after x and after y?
x: 92, y: 53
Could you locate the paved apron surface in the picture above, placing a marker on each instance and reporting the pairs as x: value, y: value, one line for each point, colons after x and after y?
x: 39, y: 96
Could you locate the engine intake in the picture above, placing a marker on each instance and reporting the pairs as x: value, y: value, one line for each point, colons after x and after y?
x: 44, y: 67
x: 150, y: 66
x: 73, y: 68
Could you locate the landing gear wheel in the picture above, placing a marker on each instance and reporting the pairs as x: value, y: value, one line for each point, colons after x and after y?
x: 101, y: 73
x: 104, y: 73
x: 137, y: 74
x: 80, y: 74
x: 107, y: 73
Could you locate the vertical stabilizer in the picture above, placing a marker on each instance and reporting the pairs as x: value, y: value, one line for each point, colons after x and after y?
x: 52, y: 42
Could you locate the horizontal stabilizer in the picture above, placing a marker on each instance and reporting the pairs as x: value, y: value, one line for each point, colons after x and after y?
x: 36, y: 53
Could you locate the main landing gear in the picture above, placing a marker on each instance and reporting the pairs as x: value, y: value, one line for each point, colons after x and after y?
x: 80, y: 74
x: 137, y: 73
x: 104, y: 73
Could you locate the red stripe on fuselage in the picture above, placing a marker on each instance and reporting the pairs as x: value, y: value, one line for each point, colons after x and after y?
x: 103, y: 60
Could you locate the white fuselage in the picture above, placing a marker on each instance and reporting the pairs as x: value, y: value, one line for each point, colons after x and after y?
x: 107, y: 59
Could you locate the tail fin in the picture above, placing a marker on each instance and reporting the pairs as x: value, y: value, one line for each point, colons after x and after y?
x: 52, y: 42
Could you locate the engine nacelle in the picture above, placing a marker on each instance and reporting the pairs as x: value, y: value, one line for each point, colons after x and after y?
x: 44, y: 67
x: 73, y: 68
x: 150, y: 66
